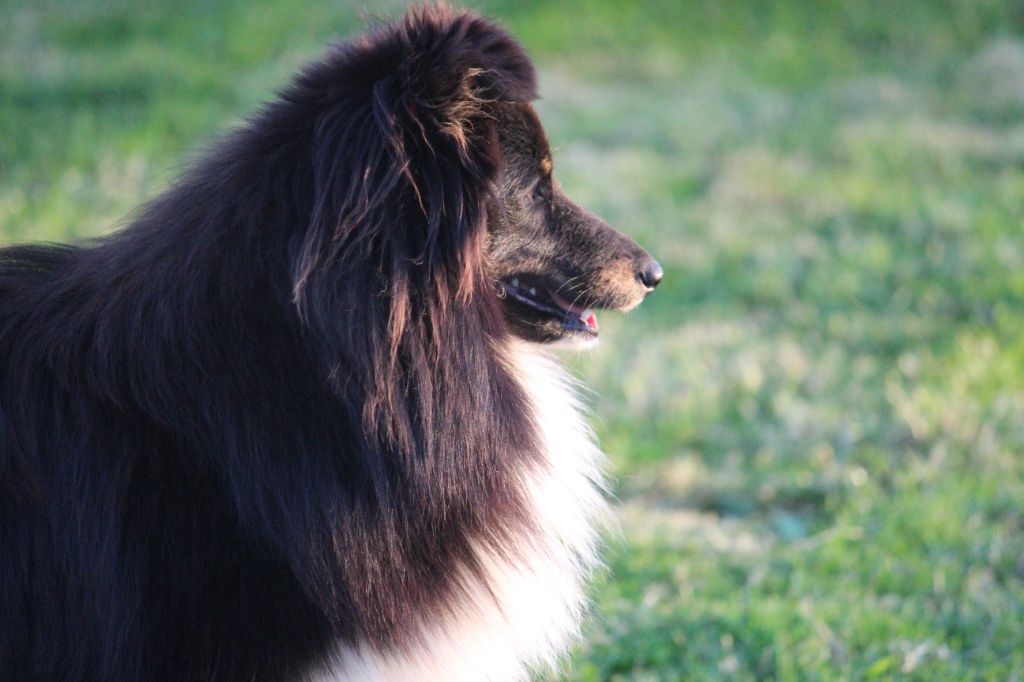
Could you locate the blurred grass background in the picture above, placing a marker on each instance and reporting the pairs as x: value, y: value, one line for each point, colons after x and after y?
x: 817, y: 424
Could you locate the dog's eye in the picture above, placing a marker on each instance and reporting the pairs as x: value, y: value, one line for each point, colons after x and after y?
x: 542, y: 190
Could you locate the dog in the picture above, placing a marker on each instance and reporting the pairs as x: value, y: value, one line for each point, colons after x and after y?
x: 297, y: 420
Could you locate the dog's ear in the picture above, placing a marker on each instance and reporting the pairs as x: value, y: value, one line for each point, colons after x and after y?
x: 454, y: 68
x: 404, y: 154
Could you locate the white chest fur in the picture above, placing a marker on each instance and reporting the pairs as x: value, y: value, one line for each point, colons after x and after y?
x: 528, y: 613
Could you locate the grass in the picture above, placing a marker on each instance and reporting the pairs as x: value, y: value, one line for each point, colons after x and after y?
x: 817, y: 424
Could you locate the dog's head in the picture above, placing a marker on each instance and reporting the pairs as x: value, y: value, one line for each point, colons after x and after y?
x: 553, y: 261
x: 433, y: 183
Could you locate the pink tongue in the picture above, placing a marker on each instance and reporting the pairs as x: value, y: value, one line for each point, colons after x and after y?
x: 586, y: 315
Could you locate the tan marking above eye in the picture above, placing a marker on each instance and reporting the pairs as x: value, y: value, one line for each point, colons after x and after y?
x: 545, y: 165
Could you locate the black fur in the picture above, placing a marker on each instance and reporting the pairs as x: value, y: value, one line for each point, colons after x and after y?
x: 273, y: 413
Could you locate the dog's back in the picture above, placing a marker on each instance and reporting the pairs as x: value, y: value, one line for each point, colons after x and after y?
x: 121, y: 554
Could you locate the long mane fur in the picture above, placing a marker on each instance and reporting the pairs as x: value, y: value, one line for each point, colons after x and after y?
x: 281, y: 393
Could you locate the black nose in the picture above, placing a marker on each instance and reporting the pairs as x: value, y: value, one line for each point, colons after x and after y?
x: 651, y: 274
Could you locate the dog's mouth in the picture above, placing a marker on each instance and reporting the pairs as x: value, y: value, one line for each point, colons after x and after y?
x: 542, y: 302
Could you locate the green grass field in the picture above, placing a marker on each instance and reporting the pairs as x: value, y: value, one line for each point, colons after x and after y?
x: 816, y: 425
